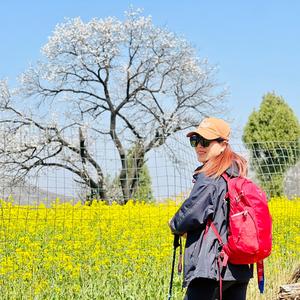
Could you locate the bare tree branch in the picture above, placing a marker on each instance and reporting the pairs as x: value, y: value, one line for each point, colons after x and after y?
x: 130, y: 80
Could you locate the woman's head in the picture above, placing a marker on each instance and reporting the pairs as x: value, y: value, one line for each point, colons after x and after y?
x: 210, y: 138
x: 210, y: 141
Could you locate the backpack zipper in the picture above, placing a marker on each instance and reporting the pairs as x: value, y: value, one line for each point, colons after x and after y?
x: 245, y: 212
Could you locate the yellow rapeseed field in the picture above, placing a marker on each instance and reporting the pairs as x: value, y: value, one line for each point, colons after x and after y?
x: 68, y: 251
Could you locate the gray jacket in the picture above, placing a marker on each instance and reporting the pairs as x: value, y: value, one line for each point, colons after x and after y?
x: 207, y: 199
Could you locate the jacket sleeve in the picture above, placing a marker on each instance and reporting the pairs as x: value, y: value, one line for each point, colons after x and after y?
x: 195, y: 210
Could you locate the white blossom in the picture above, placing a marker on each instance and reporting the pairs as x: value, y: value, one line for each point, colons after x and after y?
x: 129, y: 80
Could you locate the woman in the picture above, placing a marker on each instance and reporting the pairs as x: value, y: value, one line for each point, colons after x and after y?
x: 207, y: 202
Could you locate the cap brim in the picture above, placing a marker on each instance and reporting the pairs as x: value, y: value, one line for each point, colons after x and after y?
x: 191, y: 133
x: 206, y: 133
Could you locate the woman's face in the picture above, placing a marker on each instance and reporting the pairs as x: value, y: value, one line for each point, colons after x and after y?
x: 206, y: 153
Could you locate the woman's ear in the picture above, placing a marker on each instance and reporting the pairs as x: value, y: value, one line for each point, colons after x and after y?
x: 223, y: 146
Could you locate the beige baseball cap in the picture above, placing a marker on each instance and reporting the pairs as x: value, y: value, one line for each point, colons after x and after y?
x: 212, y: 128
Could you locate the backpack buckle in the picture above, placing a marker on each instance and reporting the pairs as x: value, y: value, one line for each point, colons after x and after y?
x: 224, y: 258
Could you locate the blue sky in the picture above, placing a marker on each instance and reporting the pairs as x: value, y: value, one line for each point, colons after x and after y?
x: 256, y: 44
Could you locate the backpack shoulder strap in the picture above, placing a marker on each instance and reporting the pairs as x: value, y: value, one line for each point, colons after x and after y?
x: 210, y: 224
x: 225, y: 176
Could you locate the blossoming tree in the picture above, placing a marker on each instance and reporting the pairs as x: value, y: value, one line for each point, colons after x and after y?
x: 129, y: 80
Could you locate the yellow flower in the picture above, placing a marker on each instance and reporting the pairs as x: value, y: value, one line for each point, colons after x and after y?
x: 52, y: 251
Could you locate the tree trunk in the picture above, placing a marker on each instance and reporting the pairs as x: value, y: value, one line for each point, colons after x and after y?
x: 291, y: 291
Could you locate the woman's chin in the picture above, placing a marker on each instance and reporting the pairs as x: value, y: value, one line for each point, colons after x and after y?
x: 201, y: 158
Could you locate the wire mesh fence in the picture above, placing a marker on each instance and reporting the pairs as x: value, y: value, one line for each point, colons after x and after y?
x: 60, y: 240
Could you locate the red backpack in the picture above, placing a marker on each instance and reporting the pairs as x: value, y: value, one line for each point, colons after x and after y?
x: 249, y: 225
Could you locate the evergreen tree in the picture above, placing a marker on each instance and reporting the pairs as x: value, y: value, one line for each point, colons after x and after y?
x: 141, y: 189
x: 272, y: 134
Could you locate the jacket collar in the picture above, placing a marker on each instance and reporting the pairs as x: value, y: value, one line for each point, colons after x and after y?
x: 233, y: 170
